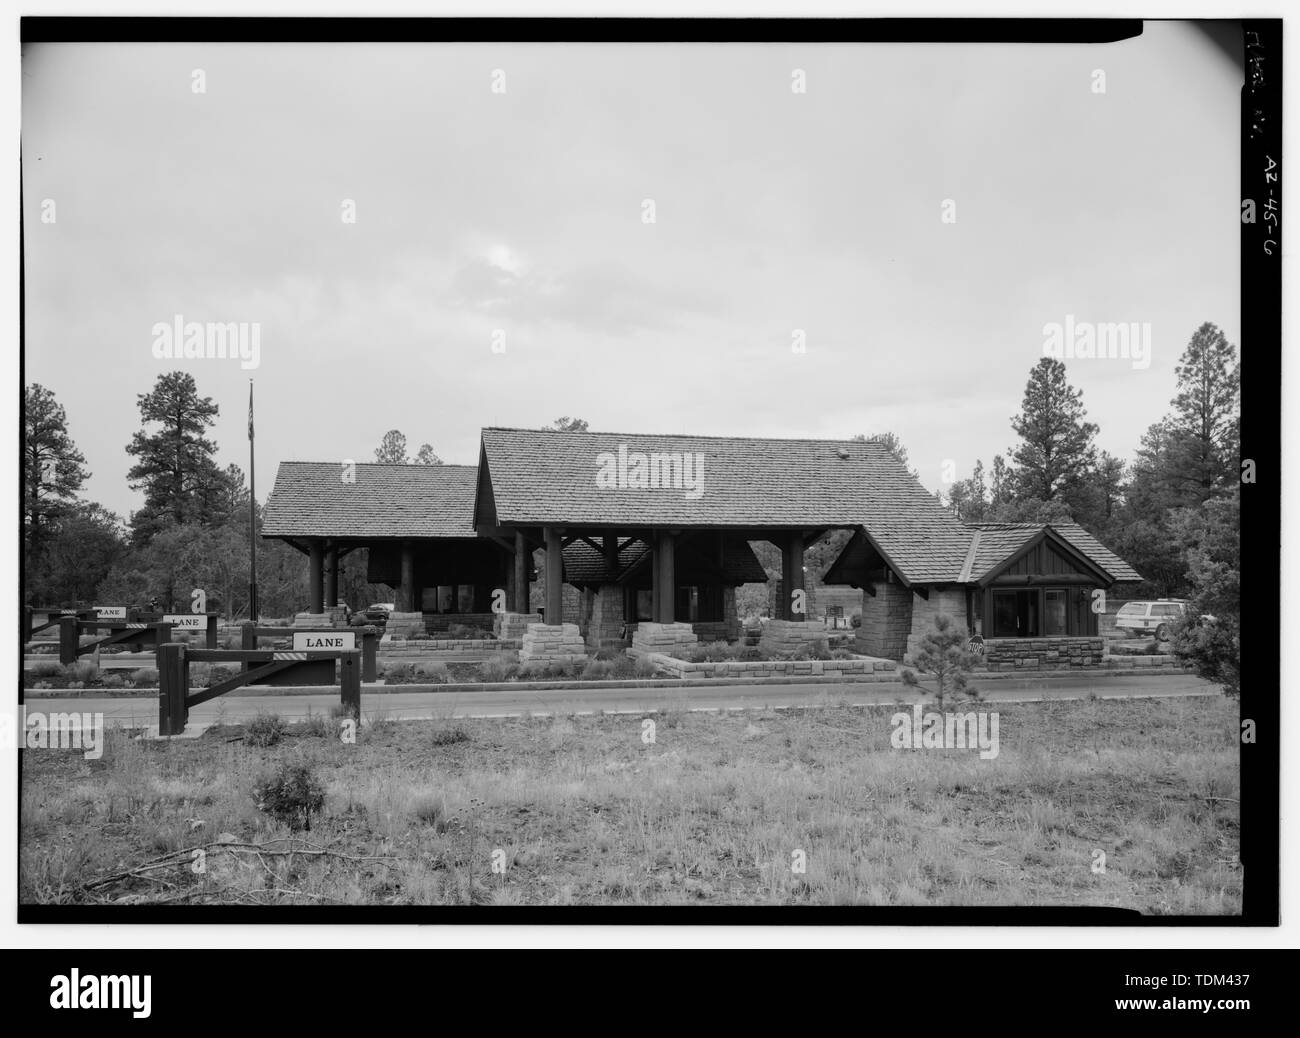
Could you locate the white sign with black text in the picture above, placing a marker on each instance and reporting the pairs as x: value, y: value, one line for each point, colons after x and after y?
x: 308, y: 640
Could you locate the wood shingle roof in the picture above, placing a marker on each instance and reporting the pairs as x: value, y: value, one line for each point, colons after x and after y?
x: 549, y: 477
x: 311, y: 499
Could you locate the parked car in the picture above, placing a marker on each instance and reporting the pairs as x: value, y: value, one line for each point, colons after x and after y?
x: 1155, y: 617
x: 375, y: 615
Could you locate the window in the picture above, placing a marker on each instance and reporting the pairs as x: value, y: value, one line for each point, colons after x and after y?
x: 1054, y: 612
x: 1015, y: 614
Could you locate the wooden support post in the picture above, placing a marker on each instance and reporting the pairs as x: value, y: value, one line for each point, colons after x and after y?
x: 667, y: 579
x: 350, y: 681
x: 247, y: 641
x: 211, y: 641
x: 610, y: 544
x: 521, y: 574
x: 654, y: 578
x: 331, y: 576
x: 172, y: 680
x: 316, y: 577
x: 792, y: 575
x: 67, y: 640
x: 369, y: 649
x: 406, y: 593
x: 554, y: 577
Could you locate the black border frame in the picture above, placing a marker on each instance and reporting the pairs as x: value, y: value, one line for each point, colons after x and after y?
x: 1261, y: 401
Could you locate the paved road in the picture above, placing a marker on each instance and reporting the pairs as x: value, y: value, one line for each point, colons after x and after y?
x: 422, y: 705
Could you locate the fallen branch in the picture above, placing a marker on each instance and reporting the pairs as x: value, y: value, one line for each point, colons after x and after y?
x: 185, y: 856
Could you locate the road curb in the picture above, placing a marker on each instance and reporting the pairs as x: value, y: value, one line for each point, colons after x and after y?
x: 825, y: 681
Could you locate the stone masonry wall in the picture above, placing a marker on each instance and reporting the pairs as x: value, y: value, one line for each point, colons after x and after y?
x: 1043, y: 653
x: 550, y: 643
x: 605, y: 625
x: 886, y: 622
x: 726, y: 629
x: 771, y: 668
x: 669, y: 639
x: 438, y: 623
x: 950, y: 601
x: 514, y: 625
x: 782, y: 636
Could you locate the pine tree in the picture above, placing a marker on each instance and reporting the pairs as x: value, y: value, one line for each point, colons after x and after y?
x: 392, y: 450
x: 1202, y: 449
x: 53, y: 468
x: 942, y: 653
x: 175, y: 466
x: 1056, y: 451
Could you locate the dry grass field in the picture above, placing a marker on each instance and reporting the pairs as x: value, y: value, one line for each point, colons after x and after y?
x: 715, y: 810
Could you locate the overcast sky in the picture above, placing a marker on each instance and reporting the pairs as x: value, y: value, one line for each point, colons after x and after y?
x: 523, y: 212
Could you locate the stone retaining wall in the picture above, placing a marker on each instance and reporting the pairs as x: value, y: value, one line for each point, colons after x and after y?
x: 680, y: 668
x: 433, y: 646
x: 437, y: 622
x: 1045, y: 653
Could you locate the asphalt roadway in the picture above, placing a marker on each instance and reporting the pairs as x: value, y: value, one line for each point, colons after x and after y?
x: 140, y: 711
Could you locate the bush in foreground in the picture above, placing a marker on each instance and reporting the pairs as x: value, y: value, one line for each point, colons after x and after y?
x: 264, y: 730
x: 291, y: 794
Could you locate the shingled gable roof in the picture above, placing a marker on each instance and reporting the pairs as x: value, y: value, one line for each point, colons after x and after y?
x: 997, y: 542
x: 549, y: 477
x: 989, y: 547
x: 310, y: 499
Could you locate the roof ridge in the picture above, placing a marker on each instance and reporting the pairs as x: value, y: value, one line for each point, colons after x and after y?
x: 680, y: 436
x: 382, y: 465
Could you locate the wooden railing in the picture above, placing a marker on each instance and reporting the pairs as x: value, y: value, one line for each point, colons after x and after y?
x: 265, y: 666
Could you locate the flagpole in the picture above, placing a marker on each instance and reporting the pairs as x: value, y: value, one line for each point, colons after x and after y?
x: 252, y: 515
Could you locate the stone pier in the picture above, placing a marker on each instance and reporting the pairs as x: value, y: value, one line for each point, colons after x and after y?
x: 671, y: 639
x: 513, y: 625
x: 789, y: 636
x: 552, y: 643
x: 404, y: 625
